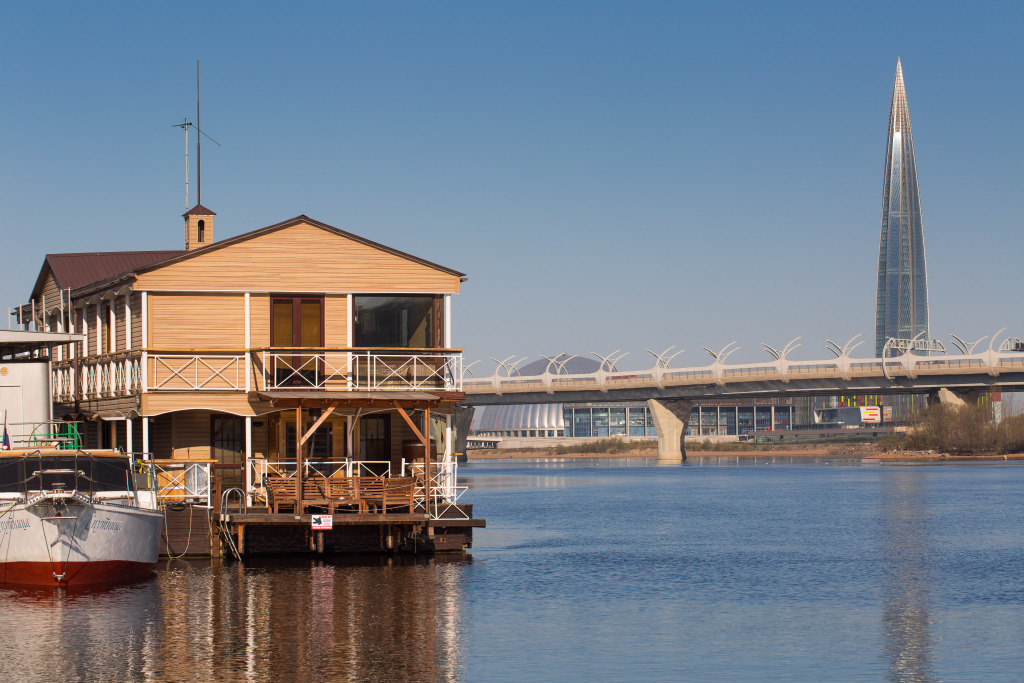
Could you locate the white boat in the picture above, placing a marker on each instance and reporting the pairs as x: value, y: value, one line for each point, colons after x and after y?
x: 72, y: 518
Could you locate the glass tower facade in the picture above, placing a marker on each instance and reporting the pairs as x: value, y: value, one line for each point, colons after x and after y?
x: 901, y: 311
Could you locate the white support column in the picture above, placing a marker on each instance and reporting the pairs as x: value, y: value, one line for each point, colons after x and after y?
x: 128, y: 445
x: 448, y: 321
x: 99, y: 329
x: 248, y: 363
x: 128, y: 321
x: 248, y: 431
x: 145, y: 342
x: 145, y: 435
x: 349, y: 429
x: 447, y: 437
x: 85, y: 330
x: 349, y: 341
x: 112, y: 329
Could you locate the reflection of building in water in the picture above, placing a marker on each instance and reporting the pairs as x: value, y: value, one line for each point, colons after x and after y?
x: 103, y: 634
x: 392, y: 618
x: 906, y: 618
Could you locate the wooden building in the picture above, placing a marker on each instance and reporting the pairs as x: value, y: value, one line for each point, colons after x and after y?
x: 297, y: 347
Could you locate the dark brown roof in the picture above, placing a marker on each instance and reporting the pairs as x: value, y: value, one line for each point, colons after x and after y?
x: 199, y: 210
x: 72, y: 271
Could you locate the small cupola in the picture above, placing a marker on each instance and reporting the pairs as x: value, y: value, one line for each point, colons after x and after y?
x: 198, y: 227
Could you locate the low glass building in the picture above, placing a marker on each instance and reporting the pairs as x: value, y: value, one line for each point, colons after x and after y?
x: 631, y: 418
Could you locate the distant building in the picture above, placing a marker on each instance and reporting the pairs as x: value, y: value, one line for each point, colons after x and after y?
x: 596, y: 420
x: 901, y: 310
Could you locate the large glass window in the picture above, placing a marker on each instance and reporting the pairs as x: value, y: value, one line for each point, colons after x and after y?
x: 637, y: 421
x: 708, y: 421
x: 617, y: 423
x: 581, y: 422
x: 745, y: 421
x: 600, y: 421
x: 727, y: 421
x: 398, y: 321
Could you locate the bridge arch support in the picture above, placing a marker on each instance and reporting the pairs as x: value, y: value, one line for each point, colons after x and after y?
x: 671, y: 417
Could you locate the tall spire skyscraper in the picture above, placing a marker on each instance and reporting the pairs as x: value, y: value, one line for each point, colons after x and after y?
x: 901, y: 311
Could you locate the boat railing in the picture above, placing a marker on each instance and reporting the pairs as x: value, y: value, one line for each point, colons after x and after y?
x: 107, y: 477
x: 51, y: 435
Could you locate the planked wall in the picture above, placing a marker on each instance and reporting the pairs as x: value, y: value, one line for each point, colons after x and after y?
x: 299, y: 258
x: 196, y: 321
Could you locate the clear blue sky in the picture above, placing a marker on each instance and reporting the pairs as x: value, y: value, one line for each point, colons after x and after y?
x: 609, y: 175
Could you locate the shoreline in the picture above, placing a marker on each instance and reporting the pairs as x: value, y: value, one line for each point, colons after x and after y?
x: 862, y: 452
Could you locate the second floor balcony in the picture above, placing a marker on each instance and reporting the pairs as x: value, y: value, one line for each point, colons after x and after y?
x: 127, y: 373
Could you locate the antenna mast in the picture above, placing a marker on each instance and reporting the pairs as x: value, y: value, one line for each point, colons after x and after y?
x: 199, y: 146
x: 185, y: 125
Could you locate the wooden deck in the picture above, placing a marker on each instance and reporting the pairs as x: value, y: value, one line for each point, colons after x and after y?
x: 257, y: 531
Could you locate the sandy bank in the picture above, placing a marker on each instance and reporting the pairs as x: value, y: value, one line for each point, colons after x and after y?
x: 867, y: 452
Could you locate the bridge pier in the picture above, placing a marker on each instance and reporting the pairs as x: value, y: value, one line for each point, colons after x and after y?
x: 671, y: 417
x: 969, y: 397
x: 463, y: 421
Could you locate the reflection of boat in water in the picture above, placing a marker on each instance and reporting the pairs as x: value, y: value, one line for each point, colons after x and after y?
x: 74, y: 518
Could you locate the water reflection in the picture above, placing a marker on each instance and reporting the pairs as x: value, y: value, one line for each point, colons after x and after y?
x: 80, y: 634
x: 363, y: 619
x: 906, y: 616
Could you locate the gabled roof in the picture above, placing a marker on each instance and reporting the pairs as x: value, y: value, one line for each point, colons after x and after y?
x: 198, y: 210
x: 170, y: 257
x: 72, y: 271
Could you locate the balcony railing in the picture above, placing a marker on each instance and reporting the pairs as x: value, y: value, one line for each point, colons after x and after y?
x: 362, y: 369
x: 340, y: 369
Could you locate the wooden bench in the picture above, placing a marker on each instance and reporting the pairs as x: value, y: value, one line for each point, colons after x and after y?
x: 380, y: 492
x: 361, y: 493
x: 280, y: 491
x: 316, y: 492
x: 345, y: 491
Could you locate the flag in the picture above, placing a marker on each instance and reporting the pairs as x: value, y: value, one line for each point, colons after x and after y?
x: 7, y: 436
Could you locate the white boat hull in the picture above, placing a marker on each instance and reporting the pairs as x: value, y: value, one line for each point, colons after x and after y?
x: 70, y: 541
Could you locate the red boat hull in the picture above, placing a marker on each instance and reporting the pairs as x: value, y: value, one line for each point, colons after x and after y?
x: 75, y: 573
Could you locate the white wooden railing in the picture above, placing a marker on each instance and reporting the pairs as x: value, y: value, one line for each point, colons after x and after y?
x: 139, y: 371
x: 362, y: 370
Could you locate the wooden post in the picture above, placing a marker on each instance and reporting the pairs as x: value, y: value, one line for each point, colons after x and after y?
x: 298, y: 459
x: 425, y: 437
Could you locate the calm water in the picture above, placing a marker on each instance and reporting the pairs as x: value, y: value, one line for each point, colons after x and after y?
x: 611, y: 570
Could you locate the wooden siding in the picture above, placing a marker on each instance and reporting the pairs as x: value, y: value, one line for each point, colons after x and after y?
x: 190, y: 435
x: 336, y: 321
x: 259, y: 320
x: 119, y: 324
x: 301, y: 258
x: 136, y: 320
x: 157, y: 403
x: 50, y: 293
x: 161, y: 438
x: 90, y: 319
x: 196, y: 321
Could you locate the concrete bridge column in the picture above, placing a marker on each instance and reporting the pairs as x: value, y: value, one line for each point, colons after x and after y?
x: 463, y: 421
x: 961, y: 398
x: 671, y: 416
